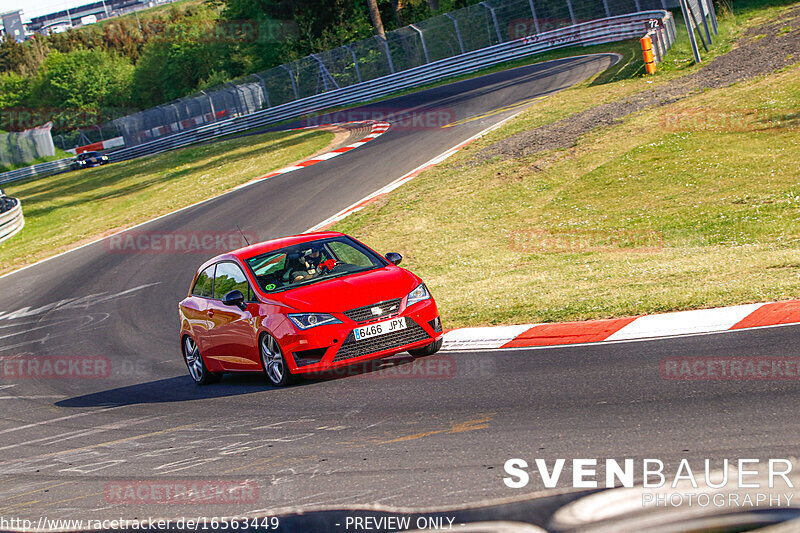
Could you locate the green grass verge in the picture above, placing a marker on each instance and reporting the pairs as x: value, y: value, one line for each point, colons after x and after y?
x: 691, y: 205
x: 66, y: 210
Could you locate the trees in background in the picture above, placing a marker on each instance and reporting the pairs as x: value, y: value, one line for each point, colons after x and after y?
x: 166, y: 53
x: 83, y: 79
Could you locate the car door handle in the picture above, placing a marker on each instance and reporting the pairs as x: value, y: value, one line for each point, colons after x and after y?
x: 211, y: 312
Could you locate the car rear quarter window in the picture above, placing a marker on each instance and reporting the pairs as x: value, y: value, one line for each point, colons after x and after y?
x: 230, y: 277
x: 203, y: 287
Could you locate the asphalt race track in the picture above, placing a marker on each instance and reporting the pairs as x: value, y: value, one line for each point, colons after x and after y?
x: 398, y: 438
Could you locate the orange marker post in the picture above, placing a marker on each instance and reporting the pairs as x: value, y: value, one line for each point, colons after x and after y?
x: 647, y: 51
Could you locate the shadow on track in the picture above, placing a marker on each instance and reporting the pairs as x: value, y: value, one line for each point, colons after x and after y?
x: 182, y: 388
x: 176, y: 389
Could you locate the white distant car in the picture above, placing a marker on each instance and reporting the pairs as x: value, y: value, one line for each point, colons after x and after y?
x: 58, y: 28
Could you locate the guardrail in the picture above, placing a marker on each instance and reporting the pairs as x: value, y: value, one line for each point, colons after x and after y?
x: 11, y: 219
x: 594, y: 32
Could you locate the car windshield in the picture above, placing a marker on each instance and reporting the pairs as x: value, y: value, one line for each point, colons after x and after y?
x: 312, y: 262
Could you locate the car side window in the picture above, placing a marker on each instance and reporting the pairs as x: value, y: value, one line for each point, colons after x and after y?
x: 230, y: 277
x: 203, y: 287
x: 348, y: 254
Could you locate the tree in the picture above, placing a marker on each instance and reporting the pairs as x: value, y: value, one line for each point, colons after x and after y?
x: 168, y: 70
x: 82, y: 79
x: 14, y: 90
x: 12, y: 55
x: 375, y: 15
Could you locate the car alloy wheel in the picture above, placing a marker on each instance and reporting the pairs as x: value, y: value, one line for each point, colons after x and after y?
x: 272, y: 360
x: 194, y: 362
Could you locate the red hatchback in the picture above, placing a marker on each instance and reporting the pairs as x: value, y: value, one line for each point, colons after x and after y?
x: 302, y: 304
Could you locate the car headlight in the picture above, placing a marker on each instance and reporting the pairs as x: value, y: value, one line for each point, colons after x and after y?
x: 418, y: 294
x: 310, y: 320
x: 105, y: 158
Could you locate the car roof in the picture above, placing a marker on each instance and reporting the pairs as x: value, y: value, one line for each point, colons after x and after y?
x: 267, y: 246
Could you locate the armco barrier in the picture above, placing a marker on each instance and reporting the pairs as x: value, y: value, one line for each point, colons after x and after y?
x: 604, y: 30
x: 11, y: 219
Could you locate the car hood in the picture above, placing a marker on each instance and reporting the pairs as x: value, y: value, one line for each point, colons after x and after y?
x: 356, y: 290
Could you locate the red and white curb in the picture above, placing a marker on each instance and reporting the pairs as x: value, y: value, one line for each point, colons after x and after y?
x: 378, y: 128
x: 624, y: 329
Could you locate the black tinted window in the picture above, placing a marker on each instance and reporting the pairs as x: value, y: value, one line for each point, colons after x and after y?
x: 204, y: 284
x: 230, y: 277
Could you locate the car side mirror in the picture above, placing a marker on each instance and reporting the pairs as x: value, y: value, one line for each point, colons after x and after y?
x: 394, y: 258
x: 235, y: 298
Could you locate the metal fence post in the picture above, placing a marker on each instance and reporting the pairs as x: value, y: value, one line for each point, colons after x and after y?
x: 535, y: 18
x: 690, y: 30
x: 702, y: 5
x: 355, y: 62
x: 421, y: 38
x: 494, y: 18
x: 571, y: 12
x: 210, y: 104
x: 324, y: 74
x: 608, y: 11
x: 713, y: 14
x: 294, y: 83
x: 458, y: 32
x: 385, y: 44
x: 264, y: 88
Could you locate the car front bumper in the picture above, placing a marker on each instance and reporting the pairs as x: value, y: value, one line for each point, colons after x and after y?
x: 331, y: 346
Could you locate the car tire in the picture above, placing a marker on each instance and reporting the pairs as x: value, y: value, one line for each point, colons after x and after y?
x: 195, y: 363
x: 274, y: 364
x: 430, y: 349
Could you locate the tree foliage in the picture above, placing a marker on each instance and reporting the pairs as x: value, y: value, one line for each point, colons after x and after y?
x: 158, y: 55
x: 83, y: 79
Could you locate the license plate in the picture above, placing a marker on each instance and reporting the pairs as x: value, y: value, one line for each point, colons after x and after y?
x: 379, y: 328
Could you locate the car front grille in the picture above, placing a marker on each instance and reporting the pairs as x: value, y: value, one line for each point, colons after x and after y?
x: 352, y: 348
x: 366, y: 313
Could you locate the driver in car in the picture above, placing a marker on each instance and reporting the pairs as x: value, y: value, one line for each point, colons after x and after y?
x: 311, y: 264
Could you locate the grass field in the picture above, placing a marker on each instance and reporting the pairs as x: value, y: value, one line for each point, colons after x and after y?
x: 691, y: 205
x: 65, y: 210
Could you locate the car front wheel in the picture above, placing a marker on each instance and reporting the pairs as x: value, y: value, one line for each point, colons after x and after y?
x: 194, y: 362
x: 274, y: 364
x: 430, y: 349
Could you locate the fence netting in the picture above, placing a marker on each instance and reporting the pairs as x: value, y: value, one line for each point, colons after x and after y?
x: 26, y: 146
x: 464, y: 30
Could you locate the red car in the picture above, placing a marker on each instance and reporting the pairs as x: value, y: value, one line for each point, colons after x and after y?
x: 302, y: 304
